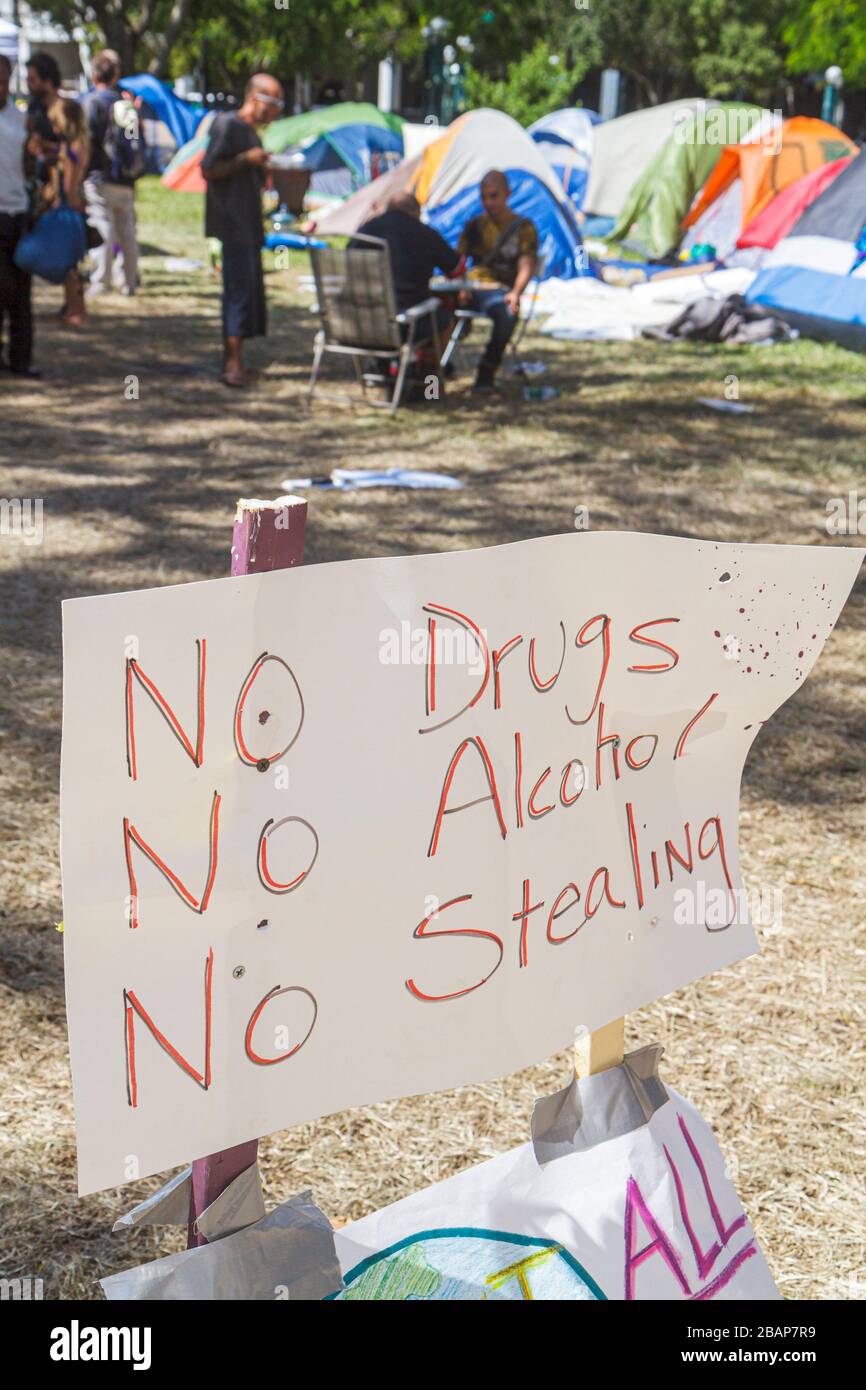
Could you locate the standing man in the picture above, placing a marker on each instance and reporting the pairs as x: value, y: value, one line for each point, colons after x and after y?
x: 234, y: 166
x: 504, y: 248
x: 116, y: 161
x: 14, y: 218
x: 43, y: 88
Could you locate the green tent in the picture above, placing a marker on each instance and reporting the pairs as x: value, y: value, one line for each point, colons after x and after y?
x: 311, y: 125
x: 650, y: 223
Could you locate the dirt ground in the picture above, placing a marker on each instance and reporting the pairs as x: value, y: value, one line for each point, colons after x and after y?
x: 141, y: 492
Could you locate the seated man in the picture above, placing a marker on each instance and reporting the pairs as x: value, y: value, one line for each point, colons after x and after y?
x: 417, y: 251
x: 503, y: 247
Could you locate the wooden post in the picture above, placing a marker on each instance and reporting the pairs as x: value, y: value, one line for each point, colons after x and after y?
x: 267, y: 536
x: 597, y: 1051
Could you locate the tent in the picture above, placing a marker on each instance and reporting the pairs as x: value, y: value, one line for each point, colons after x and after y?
x: 343, y: 146
x: 167, y: 121
x: 446, y: 178
x: 749, y: 175
x: 778, y: 217
x: 565, y: 139
x: 183, y: 173
x: 650, y: 223
x: 9, y: 38
x: 815, y: 278
x: 623, y: 148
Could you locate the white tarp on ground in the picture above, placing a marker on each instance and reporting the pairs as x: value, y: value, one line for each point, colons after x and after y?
x: 590, y: 309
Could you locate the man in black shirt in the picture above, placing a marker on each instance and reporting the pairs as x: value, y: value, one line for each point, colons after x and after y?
x: 234, y: 166
x: 416, y: 249
x: 416, y: 252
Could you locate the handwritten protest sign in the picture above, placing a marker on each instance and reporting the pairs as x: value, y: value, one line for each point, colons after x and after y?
x: 649, y: 1215
x: 361, y: 830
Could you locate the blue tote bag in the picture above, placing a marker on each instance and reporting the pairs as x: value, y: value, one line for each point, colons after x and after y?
x: 55, y: 243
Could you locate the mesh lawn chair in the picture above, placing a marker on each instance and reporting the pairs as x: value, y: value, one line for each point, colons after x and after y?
x: 358, y: 312
x: 463, y: 318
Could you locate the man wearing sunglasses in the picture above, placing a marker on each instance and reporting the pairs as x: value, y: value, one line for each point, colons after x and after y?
x: 234, y: 166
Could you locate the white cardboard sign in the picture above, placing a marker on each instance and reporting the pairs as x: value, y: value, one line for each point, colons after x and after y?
x: 373, y: 828
x: 649, y: 1215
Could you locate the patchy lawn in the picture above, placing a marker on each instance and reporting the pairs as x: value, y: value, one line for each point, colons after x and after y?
x: 141, y: 492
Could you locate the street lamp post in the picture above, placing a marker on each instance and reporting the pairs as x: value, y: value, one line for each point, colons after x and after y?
x: 434, y: 67
x: 834, y: 81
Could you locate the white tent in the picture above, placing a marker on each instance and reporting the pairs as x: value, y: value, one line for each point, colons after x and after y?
x: 9, y: 36
x: 622, y: 149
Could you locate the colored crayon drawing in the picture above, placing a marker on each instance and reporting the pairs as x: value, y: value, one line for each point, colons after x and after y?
x: 466, y: 1264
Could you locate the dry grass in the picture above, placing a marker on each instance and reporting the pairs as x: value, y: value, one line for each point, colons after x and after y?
x: 142, y: 493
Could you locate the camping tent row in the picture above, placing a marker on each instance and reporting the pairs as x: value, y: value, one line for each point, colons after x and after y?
x: 691, y: 173
x: 731, y: 175
x: 815, y: 277
x: 714, y: 175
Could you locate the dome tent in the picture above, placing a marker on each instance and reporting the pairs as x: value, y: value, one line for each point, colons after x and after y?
x: 650, y: 221
x: 168, y: 121
x: 183, y: 173
x: 342, y: 146
x: 750, y: 174
x: 815, y: 278
x: 623, y: 148
x: 778, y: 217
x: 565, y: 139
x: 446, y: 179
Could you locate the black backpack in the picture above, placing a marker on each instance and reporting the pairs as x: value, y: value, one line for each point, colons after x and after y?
x: 123, y: 143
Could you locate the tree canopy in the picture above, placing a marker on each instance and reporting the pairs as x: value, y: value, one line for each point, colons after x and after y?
x: 527, y: 55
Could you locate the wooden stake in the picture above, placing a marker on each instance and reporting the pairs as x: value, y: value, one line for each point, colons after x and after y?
x: 267, y: 536
x: 600, y: 1050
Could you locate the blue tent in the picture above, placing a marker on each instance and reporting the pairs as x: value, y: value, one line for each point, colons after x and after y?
x: 565, y: 139
x: 448, y: 186
x: 815, y: 278
x: 168, y: 122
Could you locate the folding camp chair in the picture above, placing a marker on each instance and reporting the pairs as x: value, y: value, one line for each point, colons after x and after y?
x: 464, y: 317
x: 359, y: 318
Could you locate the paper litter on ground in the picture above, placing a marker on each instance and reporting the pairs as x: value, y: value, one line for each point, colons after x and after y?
x: 347, y: 479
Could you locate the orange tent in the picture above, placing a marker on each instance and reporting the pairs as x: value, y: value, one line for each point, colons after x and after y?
x: 767, y: 165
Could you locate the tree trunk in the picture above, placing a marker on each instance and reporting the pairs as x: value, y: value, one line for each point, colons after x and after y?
x: 168, y: 38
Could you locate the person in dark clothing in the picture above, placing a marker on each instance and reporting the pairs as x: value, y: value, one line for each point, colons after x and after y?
x: 109, y: 188
x: 234, y: 167
x: 416, y: 252
x: 504, y: 249
x: 43, y: 87
x: 14, y: 220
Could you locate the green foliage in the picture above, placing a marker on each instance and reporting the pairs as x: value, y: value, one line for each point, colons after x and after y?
x: 674, y: 48
x: 669, y: 48
x: 533, y: 85
x: 821, y: 32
